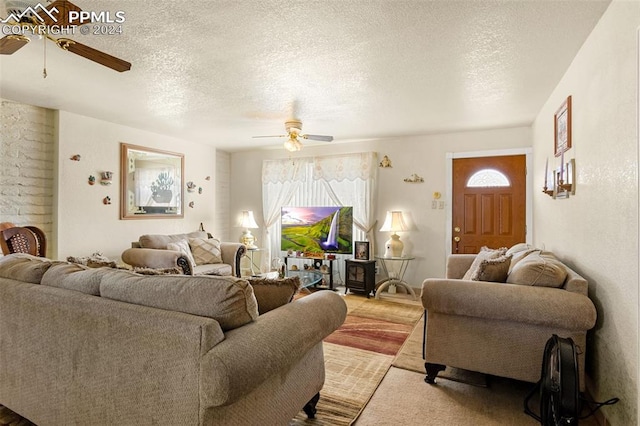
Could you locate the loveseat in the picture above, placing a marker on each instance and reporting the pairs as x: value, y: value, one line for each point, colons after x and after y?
x: 500, y: 328
x: 150, y: 251
x: 81, y: 346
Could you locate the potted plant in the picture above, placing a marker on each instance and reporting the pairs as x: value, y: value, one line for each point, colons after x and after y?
x: 161, y: 188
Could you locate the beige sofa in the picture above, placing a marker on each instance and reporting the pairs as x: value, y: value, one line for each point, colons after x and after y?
x: 102, y: 346
x: 150, y: 251
x: 500, y: 328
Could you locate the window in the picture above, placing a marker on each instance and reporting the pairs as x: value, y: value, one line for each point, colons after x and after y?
x: 487, y: 178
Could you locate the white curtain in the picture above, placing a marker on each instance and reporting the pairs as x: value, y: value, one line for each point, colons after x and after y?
x: 350, y: 180
x: 280, y: 180
x: 339, y: 180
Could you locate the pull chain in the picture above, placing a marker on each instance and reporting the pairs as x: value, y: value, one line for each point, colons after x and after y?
x: 44, y: 69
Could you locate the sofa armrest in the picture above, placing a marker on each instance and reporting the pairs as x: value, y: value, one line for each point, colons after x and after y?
x: 458, y: 265
x: 269, y: 346
x: 231, y: 255
x: 509, y: 302
x: 156, y: 259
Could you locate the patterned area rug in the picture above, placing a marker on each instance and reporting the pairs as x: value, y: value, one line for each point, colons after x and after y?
x: 358, y: 355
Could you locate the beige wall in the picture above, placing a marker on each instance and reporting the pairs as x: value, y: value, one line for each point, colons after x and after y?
x: 424, y: 155
x: 83, y: 224
x: 596, y: 231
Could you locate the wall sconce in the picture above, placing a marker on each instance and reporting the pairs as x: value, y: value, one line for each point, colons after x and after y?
x: 248, y: 222
x: 562, y: 180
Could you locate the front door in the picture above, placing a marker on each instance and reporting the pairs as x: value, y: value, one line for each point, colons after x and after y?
x: 489, y: 202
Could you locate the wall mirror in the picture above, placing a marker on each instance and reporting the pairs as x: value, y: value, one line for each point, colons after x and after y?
x: 151, y: 183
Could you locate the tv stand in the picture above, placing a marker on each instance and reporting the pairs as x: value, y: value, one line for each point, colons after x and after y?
x: 317, y: 263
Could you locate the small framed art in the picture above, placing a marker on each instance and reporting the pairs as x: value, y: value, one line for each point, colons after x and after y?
x: 361, y: 249
x: 562, y: 128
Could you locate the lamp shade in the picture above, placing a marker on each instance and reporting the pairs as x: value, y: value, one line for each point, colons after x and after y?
x: 248, y: 221
x: 394, y: 222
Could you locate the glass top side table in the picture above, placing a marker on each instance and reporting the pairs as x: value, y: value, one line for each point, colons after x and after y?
x: 394, y: 278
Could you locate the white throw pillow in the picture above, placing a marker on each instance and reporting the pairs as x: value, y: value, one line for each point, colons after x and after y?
x: 183, y: 247
x: 206, y: 251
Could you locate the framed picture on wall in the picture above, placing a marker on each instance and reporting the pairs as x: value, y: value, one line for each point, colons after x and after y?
x: 361, y: 249
x: 562, y: 128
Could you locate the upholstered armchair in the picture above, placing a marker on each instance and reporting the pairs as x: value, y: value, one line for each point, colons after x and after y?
x: 150, y: 251
x: 501, y: 328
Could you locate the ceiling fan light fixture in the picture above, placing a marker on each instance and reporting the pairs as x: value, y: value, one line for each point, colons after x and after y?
x: 292, y: 145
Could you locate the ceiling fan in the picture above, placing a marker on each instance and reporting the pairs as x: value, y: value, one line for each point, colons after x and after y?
x: 294, y: 128
x: 38, y: 19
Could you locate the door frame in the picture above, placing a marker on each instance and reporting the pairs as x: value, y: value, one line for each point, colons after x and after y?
x: 450, y: 156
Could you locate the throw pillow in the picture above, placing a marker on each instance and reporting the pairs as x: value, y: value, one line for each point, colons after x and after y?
x: 485, y: 254
x: 494, y: 270
x: 537, y: 270
x: 205, y: 251
x: 272, y: 293
x: 157, y: 271
x: 183, y: 247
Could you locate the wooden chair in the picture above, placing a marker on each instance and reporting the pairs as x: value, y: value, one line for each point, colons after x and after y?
x: 27, y: 239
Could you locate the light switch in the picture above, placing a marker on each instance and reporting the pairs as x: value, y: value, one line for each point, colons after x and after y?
x: 434, y: 204
x: 441, y: 205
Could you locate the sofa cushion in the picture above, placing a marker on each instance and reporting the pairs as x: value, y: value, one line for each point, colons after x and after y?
x: 484, y: 254
x: 220, y: 269
x: 161, y: 241
x: 495, y: 270
x: 205, y: 251
x: 24, y: 267
x: 183, y: 247
x: 76, y: 277
x: 538, y: 270
x: 518, y: 256
x: 228, y: 300
x: 272, y: 293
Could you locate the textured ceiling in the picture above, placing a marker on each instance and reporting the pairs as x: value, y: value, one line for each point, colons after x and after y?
x: 220, y: 72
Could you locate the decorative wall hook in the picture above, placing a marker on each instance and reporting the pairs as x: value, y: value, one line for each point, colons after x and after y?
x: 386, y: 162
x: 191, y: 187
x: 199, y: 190
x: 106, y: 200
x: 414, y: 178
x: 192, y: 204
x: 92, y: 180
x: 207, y: 178
x: 75, y: 157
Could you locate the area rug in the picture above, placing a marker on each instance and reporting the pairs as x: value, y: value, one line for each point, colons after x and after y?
x: 358, y: 355
x: 9, y: 418
x: 410, y: 358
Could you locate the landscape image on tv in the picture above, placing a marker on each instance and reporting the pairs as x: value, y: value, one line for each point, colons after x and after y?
x: 317, y: 229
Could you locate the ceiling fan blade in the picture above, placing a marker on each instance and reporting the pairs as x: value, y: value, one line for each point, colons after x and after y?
x: 318, y: 138
x: 11, y: 43
x: 274, y: 136
x: 63, y: 8
x: 93, y: 54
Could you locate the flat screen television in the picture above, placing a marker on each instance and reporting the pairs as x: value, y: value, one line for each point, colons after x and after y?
x: 317, y: 229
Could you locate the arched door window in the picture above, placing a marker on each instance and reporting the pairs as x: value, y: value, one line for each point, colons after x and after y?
x: 488, y: 178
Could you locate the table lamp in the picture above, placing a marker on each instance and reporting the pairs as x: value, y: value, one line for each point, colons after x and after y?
x: 248, y: 222
x: 394, y: 222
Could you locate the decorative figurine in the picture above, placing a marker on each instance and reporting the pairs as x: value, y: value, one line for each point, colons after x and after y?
x: 75, y: 157
x: 386, y: 162
x: 92, y: 180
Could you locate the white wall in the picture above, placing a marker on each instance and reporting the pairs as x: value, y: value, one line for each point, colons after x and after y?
x: 83, y: 224
x: 423, y: 155
x: 596, y: 231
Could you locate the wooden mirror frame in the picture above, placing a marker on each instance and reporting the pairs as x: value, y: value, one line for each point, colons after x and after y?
x: 131, y: 157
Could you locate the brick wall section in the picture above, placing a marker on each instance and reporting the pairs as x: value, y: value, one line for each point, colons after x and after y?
x: 26, y: 165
